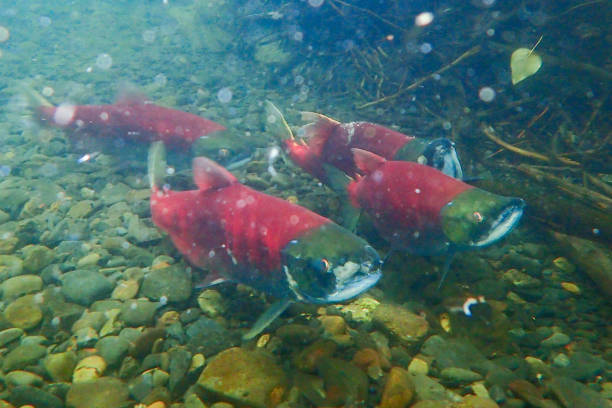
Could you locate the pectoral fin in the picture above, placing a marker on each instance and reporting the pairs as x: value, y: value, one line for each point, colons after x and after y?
x: 268, y: 317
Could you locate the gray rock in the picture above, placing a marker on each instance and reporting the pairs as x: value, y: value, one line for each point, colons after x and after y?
x: 23, y: 356
x: 584, y: 366
x: 27, y: 395
x: 112, y: 349
x: 556, y: 340
x: 428, y: 389
x: 84, y: 286
x: 208, y: 337
x: 9, y: 335
x: 36, y: 257
x: 573, y: 394
x: 138, y: 312
x: 452, y: 352
x: 457, y: 375
x: 10, y: 265
x: 103, y: 392
x: 20, y: 285
x: 172, y: 283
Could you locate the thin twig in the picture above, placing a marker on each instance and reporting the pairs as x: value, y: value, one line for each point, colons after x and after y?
x: 488, y: 131
x: 370, y: 12
x: 468, y: 53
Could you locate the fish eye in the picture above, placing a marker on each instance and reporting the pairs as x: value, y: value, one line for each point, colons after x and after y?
x: 320, y: 265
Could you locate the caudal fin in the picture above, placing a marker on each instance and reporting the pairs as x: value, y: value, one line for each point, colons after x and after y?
x: 276, y: 123
x: 34, y: 99
x: 318, y: 130
x: 156, y: 165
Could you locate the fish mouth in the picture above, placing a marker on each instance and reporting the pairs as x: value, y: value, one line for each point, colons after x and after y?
x: 441, y: 155
x: 503, y: 224
x: 353, y: 288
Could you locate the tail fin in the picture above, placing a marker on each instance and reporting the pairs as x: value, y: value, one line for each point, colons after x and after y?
x: 156, y: 165
x: 276, y: 123
x: 318, y: 130
x: 34, y: 98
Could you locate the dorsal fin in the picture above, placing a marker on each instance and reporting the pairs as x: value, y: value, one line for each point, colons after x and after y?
x: 367, y: 161
x: 209, y: 175
x: 318, y: 131
x: 276, y: 123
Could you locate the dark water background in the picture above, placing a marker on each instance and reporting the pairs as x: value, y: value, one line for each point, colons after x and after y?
x: 354, y: 60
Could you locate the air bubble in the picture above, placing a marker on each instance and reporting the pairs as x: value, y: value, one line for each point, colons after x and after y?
x: 148, y: 36
x: 44, y: 21
x: 224, y: 95
x: 315, y: 3
x: 425, y: 48
x: 4, y: 34
x: 104, y: 61
x: 486, y: 94
x: 160, y: 80
x: 423, y: 19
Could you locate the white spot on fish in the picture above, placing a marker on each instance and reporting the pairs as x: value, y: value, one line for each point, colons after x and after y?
x: 64, y: 114
x: 294, y: 219
x: 104, y: 116
x: 240, y: 203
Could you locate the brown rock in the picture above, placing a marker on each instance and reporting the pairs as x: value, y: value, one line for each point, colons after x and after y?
x: 399, y: 389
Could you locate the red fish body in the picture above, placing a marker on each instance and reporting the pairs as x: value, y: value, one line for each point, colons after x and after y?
x: 133, y: 120
x: 422, y: 210
x: 325, y: 143
x: 242, y: 235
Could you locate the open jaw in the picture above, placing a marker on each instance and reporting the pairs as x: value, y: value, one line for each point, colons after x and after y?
x: 358, y: 283
x: 503, y: 224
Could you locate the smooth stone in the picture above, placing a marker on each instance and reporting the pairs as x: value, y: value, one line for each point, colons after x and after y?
x: 94, y: 319
x: 81, y: 209
x: 211, y: 303
x: 556, y: 340
x: 88, y: 260
x: 458, y: 375
x: 20, y: 377
x: 84, y: 287
x: 400, y: 323
x: 531, y: 394
x: 23, y: 356
x: 36, y: 257
x: 26, y: 395
x: 573, y: 394
x: 473, y: 401
x: 125, y: 290
x: 60, y: 366
x: 113, y: 349
x: 399, y: 389
x: 298, y: 334
x: 172, y: 283
x: 208, y: 337
x: 9, y: 335
x: 10, y: 265
x: 20, y: 285
x: 139, y: 231
x: 88, y: 369
x: 24, y: 313
x: 452, y: 352
x: 428, y: 389
x: 561, y: 360
x: 138, y: 312
x: 103, y: 392
x: 86, y: 337
x: 583, y: 366
x: 243, y: 377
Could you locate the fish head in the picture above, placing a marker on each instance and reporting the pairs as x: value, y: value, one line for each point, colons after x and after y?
x: 329, y: 264
x: 441, y: 155
x: 476, y: 218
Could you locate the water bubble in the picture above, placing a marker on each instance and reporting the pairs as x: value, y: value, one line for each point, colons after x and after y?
x: 44, y: 21
x: 298, y: 36
x: 64, y: 114
x: 425, y: 48
x: 446, y: 125
x: 148, y: 36
x: 224, y: 95
x: 488, y: 3
x: 5, y: 170
x: 4, y: 34
x: 104, y: 61
x: 490, y: 32
x: 48, y: 91
x: 486, y: 94
x: 315, y: 3
x: 423, y: 19
x: 160, y: 80
x: 298, y: 80
x: 163, y: 300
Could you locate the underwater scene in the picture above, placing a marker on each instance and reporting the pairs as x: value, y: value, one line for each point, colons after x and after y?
x: 306, y: 203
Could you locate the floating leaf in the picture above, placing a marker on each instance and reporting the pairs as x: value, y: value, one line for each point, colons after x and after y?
x: 523, y: 64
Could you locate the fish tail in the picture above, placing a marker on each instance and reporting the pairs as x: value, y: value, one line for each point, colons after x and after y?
x: 319, y: 126
x: 34, y: 98
x: 156, y: 165
x: 276, y: 123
